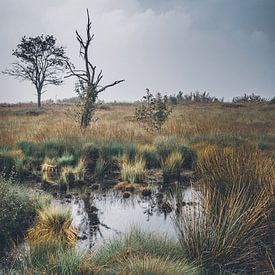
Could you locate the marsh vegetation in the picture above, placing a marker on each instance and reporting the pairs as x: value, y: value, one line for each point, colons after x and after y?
x: 205, y: 179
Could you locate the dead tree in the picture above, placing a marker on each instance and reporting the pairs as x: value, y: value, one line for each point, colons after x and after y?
x: 88, y: 87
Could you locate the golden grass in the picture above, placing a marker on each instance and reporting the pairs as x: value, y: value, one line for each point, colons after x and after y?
x: 53, y: 227
x: 247, y: 167
x: 226, y: 231
x: 132, y: 171
x: 187, y: 121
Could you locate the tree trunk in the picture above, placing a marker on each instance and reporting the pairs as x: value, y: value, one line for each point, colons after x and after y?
x: 39, y: 98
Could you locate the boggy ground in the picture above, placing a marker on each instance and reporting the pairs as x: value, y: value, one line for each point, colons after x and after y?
x: 227, y: 152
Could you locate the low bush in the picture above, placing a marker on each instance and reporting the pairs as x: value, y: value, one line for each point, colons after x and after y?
x: 17, y: 211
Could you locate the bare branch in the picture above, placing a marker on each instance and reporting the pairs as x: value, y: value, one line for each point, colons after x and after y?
x: 110, y: 85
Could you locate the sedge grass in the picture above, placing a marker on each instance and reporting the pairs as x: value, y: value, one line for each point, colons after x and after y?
x: 53, y: 226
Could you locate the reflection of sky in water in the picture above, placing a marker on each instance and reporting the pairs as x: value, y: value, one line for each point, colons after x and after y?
x: 117, y: 215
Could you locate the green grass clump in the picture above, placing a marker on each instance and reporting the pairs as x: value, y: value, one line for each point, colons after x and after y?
x: 165, y: 146
x: 7, y: 164
x: 17, y: 211
x: 189, y: 157
x: 101, y: 168
x: 52, y: 259
x: 150, y: 156
x: 142, y: 253
x: 65, y: 160
x: 114, y: 149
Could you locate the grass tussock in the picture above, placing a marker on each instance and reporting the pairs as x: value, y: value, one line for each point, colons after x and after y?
x: 52, y: 259
x: 132, y: 171
x: 230, y: 228
x: 245, y: 167
x: 53, y: 226
x: 142, y: 253
x: 171, y: 166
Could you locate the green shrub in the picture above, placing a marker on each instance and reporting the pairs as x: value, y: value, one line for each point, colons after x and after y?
x: 17, y: 211
x: 267, y: 143
x: 272, y: 100
x: 50, y: 149
x: 153, y: 111
x: 90, y: 157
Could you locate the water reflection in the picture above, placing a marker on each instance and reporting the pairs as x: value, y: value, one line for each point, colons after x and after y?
x: 102, y: 215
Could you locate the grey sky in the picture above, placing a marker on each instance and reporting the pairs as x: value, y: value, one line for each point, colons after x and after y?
x: 226, y: 47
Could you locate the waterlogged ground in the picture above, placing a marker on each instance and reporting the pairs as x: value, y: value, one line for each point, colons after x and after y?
x: 102, y: 215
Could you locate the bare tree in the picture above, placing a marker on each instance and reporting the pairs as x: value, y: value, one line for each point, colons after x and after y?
x: 89, y: 86
x: 40, y: 61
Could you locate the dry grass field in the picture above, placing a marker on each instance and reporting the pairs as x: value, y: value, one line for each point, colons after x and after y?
x: 253, y: 123
x: 229, y: 151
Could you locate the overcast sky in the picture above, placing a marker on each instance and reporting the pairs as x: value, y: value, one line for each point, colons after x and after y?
x: 225, y: 47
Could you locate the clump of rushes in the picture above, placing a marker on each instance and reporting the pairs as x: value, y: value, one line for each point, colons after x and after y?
x: 53, y: 226
x: 49, y: 171
x: 80, y: 170
x: 101, y: 168
x: 247, y: 167
x: 225, y: 233
x: 68, y: 176
x: 171, y: 167
x: 149, y: 154
x: 133, y: 172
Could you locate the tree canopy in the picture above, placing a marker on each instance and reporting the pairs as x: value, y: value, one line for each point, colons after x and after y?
x: 40, y: 61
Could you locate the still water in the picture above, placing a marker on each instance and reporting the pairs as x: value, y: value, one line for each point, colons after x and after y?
x: 100, y: 216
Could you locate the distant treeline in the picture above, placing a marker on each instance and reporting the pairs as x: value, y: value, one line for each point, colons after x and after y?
x: 181, y: 98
